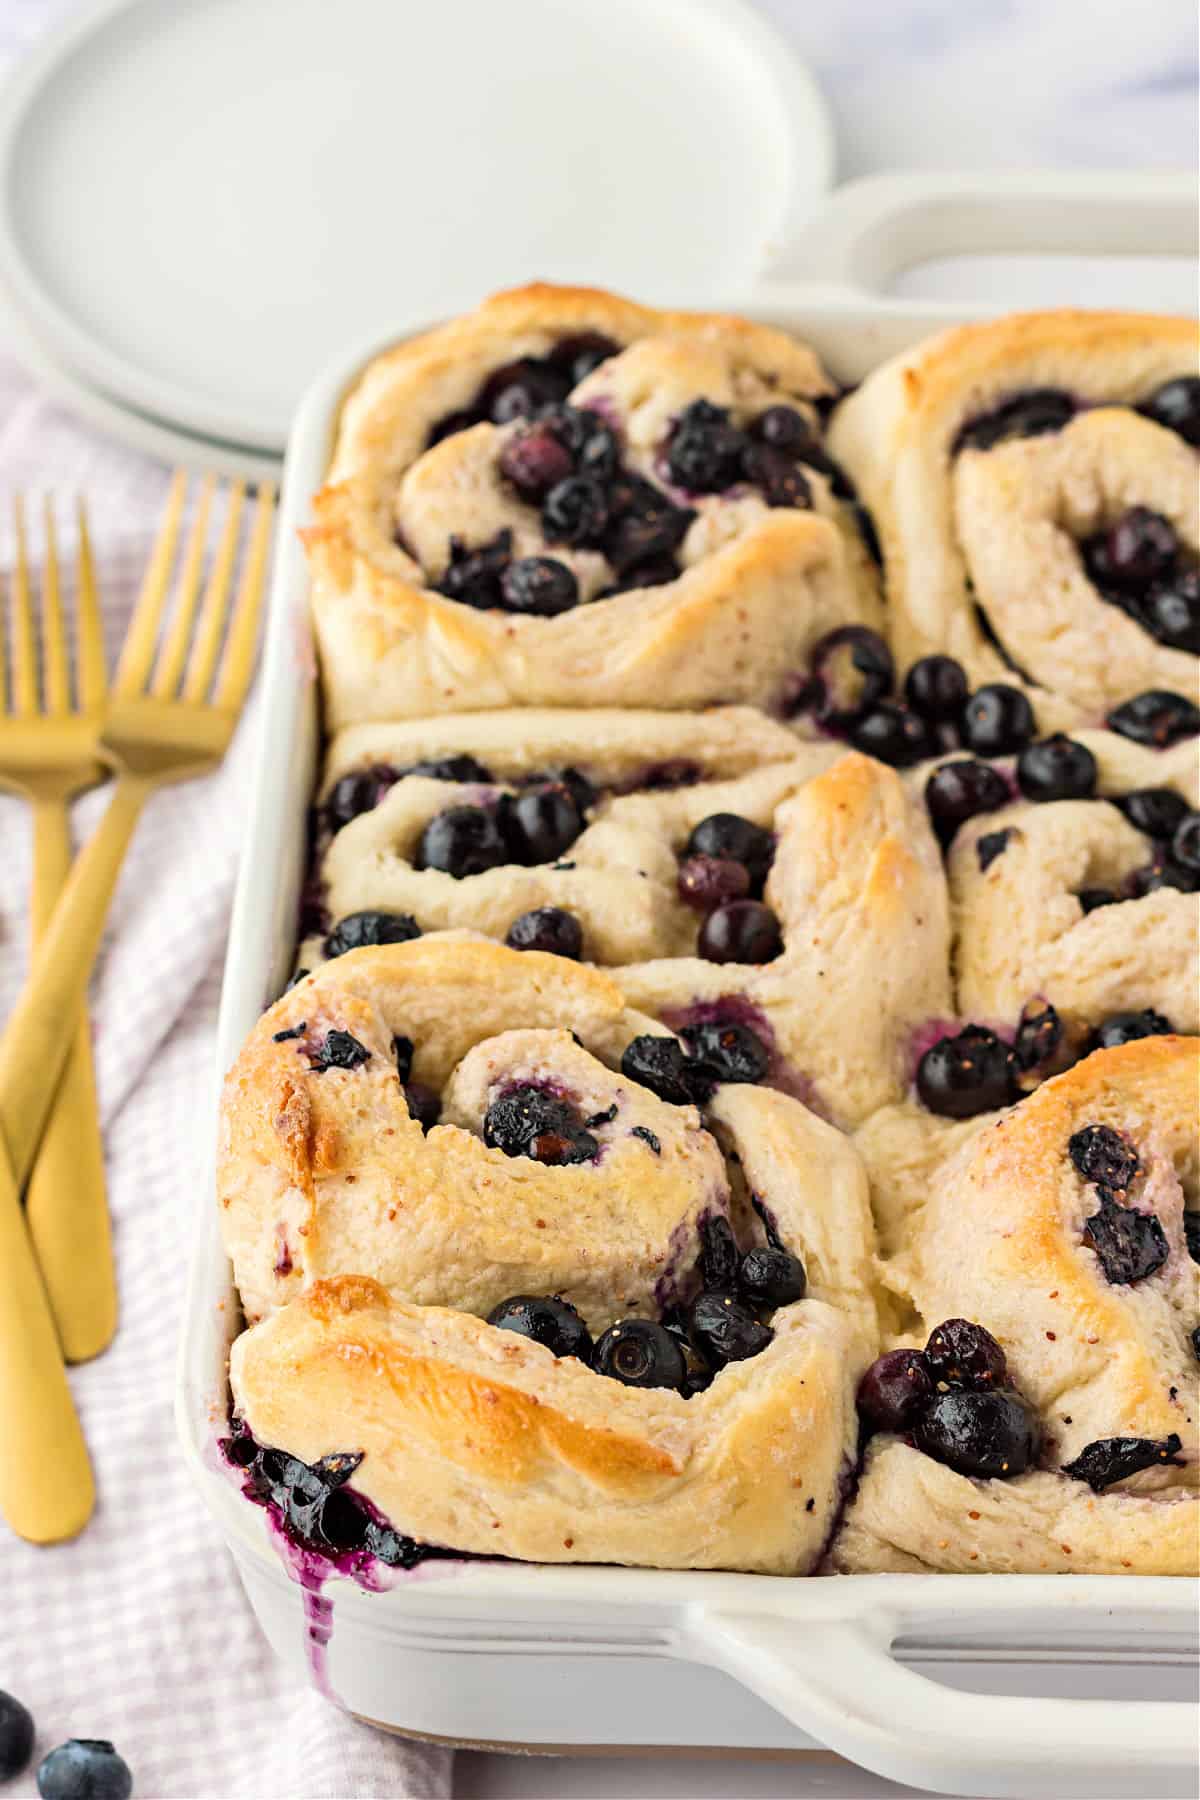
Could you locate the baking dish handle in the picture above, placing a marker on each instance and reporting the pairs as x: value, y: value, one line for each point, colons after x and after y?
x: 869, y: 231
x: 838, y: 1682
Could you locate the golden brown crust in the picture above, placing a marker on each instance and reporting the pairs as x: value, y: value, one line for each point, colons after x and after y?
x: 758, y: 588
x: 998, y: 527
x: 995, y: 1231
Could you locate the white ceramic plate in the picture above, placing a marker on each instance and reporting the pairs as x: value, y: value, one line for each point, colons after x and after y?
x: 201, y: 200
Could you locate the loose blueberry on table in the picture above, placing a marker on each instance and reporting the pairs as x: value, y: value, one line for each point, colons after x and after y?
x: 16, y: 1736
x: 84, y: 1769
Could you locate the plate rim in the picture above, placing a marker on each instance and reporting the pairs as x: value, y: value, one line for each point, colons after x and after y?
x: 114, y: 377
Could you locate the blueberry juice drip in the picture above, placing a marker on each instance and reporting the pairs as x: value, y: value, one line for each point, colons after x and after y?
x: 312, y: 1564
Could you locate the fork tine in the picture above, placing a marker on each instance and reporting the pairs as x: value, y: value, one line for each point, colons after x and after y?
x: 175, y: 645
x: 210, y: 629
x: 56, y: 672
x: 137, y: 655
x: 24, y: 656
x: 89, y: 632
x: 238, y: 663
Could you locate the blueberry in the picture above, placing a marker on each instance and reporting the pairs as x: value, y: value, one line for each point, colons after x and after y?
x: 361, y: 928
x: 1129, y: 1244
x: 463, y: 840
x: 646, y: 528
x: 961, y: 1354
x: 852, y: 668
x: 539, y: 585
x: 673, y: 772
x: 536, y: 459
x: 1139, y: 548
x: 989, y: 1435
x: 547, y: 928
x: 1029, y: 414
x: 776, y: 473
x: 708, y: 881
x: 730, y: 836
x: 991, y: 845
x: 719, y: 1256
x: 519, y: 389
x: 1185, y: 843
x: 641, y: 1354
x: 893, y: 735
x: 1038, y: 1037
x: 575, y: 511
x: 423, y: 1104
x: 704, y: 451
x: 340, y: 1050
x: 725, y: 1328
x: 1162, y: 871
x: 550, y: 1321
x: 659, y: 1063
x: 356, y: 793
x: 997, y: 720
x: 958, y: 791
x: 541, y: 823
x: 783, y: 428
x: 527, y: 1121
x: 16, y: 1736
x: 84, y: 1769
x: 726, y: 1052
x: 1127, y: 1027
x: 770, y: 1276
x: 582, y: 352
x: 1114, y: 1459
x: 1057, y: 768
x: 1176, y: 404
x: 599, y: 454
x: 1170, y: 612
x: 451, y: 423
x: 450, y: 768
x: 473, y: 576
x: 968, y: 1074
x: 895, y: 1390
x: 744, y: 931
x: 403, y: 1049
x: 1103, y: 1156
x: 1156, y: 811
x: 1157, y: 718
x: 936, y: 687
x: 1191, y: 1232
x: 1091, y: 899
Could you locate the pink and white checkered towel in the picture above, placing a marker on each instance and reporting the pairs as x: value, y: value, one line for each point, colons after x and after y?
x: 139, y: 1632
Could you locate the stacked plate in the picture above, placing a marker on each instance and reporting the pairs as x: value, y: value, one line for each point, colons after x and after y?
x: 201, y: 201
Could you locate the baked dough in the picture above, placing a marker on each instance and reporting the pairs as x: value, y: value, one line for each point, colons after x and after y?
x: 758, y: 587
x: 619, y: 878
x: 860, y: 891
x: 997, y: 528
x: 370, y: 1339
x: 994, y: 1232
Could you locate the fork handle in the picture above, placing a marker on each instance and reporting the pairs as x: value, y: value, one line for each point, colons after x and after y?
x: 65, y: 1203
x: 46, y: 1487
x: 41, y: 1027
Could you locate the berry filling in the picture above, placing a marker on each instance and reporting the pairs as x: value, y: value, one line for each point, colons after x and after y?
x: 520, y: 389
x: 958, y: 791
x: 363, y: 928
x: 641, y: 1354
x: 528, y: 1121
x: 974, y: 1072
x: 1030, y: 414
x: 551, y: 1321
x: 1107, y: 1460
x: 742, y: 931
x: 1176, y: 405
x: 1156, y: 718
x: 953, y: 1400
x: 550, y: 929
x: 1127, y: 1027
x: 1139, y: 565
x: 340, y: 1050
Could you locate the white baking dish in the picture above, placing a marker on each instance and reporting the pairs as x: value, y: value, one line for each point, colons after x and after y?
x: 1039, y: 1670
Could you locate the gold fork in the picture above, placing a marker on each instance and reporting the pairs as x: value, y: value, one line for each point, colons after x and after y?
x: 48, y: 755
x: 174, y: 705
